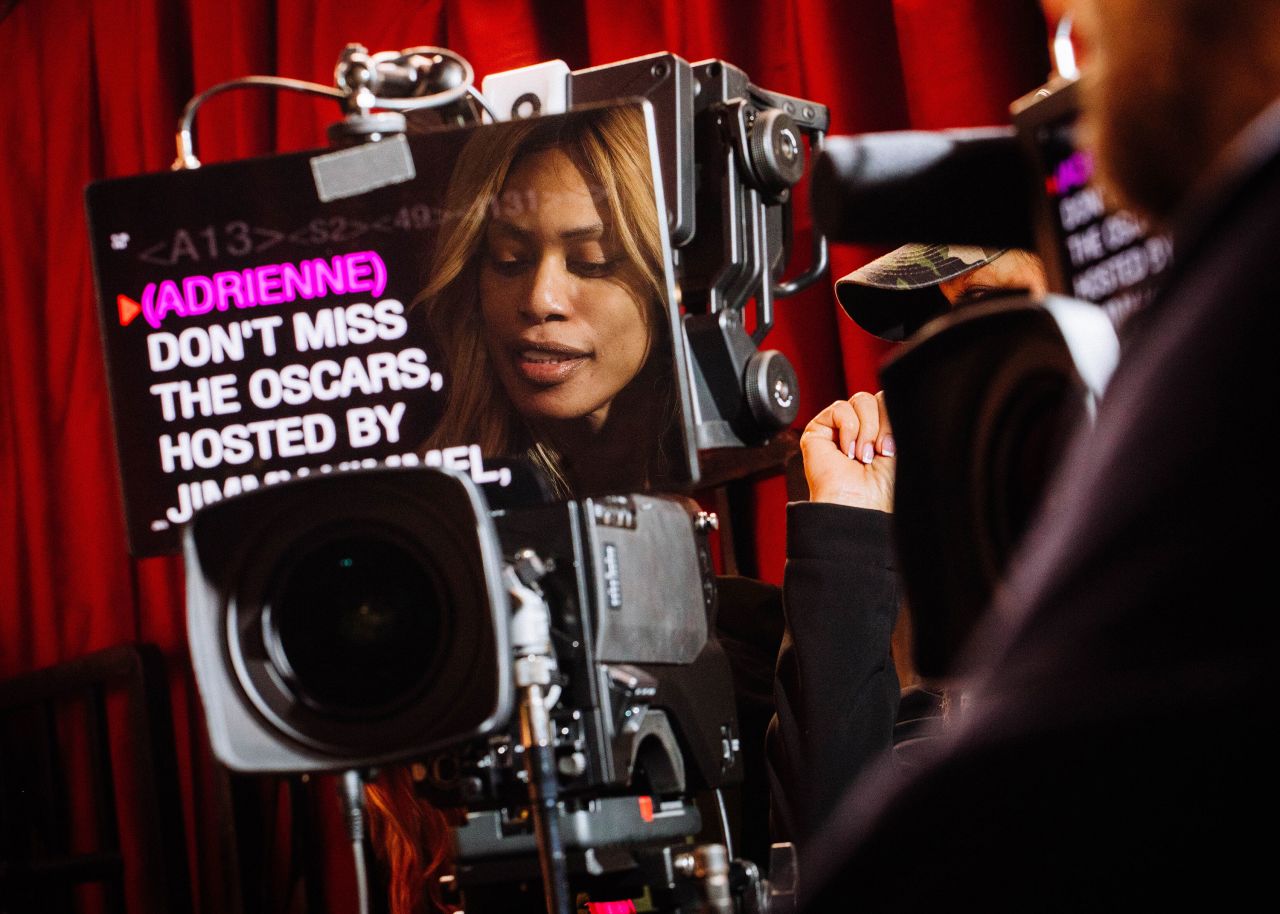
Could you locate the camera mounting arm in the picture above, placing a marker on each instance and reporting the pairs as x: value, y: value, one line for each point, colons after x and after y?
x: 750, y: 151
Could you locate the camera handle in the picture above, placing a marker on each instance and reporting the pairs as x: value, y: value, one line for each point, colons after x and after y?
x: 391, y: 81
x: 535, y: 667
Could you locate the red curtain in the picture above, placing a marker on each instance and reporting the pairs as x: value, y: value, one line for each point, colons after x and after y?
x: 96, y: 87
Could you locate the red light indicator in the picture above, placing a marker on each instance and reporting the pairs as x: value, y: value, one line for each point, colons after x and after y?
x: 128, y: 309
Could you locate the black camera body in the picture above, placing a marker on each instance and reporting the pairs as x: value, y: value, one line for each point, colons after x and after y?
x: 645, y: 705
x: 365, y: 618
x: 548, y: 667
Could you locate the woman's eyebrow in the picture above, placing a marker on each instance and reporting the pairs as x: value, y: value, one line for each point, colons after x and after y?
x: 578, y: 233
x: 503, y: 227
x: 595, y: 230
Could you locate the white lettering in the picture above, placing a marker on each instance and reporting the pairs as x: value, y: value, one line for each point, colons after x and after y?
x: 351, y: 324
x: 236, y: 444
x: 328, y: 380
x: 192, y: 496
x: 362, y: 427
x: 196, y: 347
x: 213, y: 396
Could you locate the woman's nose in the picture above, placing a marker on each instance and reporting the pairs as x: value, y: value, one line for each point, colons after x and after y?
x: 550, y: 296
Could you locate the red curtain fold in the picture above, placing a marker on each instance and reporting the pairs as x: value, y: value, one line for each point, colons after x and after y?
x: 98, y: 86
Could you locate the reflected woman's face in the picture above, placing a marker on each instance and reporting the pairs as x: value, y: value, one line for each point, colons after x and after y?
x: 565, y: 329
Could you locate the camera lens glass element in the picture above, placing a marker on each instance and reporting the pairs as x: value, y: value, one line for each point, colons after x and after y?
x: 356, y: 626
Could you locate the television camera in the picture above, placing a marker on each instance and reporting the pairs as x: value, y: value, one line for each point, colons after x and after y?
x: 547, y: 665
x: 1001, y: 386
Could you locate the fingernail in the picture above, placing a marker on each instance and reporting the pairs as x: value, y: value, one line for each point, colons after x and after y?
x: 851, y: 449
x: 888, y: 447
x: 868, y: 452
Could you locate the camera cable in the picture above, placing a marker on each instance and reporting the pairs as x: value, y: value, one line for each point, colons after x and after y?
x: 351, y: 789
x: 544, y: 802
x: 535, y: 669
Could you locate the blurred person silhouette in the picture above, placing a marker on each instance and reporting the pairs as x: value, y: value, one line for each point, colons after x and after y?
x: 1116, y: 749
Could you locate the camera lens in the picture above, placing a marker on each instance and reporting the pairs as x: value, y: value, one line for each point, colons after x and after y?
x: 356, y: 626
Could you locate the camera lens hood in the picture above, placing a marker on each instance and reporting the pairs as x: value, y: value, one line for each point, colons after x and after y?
x: 342, y: 620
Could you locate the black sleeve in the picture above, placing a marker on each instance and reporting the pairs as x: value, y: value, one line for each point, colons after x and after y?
x: 835, y: 689
x: 749, y: 628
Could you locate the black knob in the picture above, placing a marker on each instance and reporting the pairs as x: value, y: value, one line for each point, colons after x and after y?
x: 772, y: 389
x: 777, y: 155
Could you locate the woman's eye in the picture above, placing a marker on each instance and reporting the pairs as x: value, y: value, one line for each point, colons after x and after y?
x: 507, y: 264
x: 975, y: 294
x: 594, y: 269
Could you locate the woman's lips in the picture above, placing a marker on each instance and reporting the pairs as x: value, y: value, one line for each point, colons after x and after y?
x: 548, y: 365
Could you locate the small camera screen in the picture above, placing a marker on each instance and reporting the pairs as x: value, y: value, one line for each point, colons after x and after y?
x: 443, y: 297
x: 1096, y: 252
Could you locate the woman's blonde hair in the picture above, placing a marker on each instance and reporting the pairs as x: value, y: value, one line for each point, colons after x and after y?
x: 610, y: 147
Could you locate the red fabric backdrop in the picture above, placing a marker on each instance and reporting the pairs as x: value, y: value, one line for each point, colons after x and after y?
x: 96, y: 89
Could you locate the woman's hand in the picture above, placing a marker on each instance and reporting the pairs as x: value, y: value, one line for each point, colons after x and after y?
x: 848, y: 452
